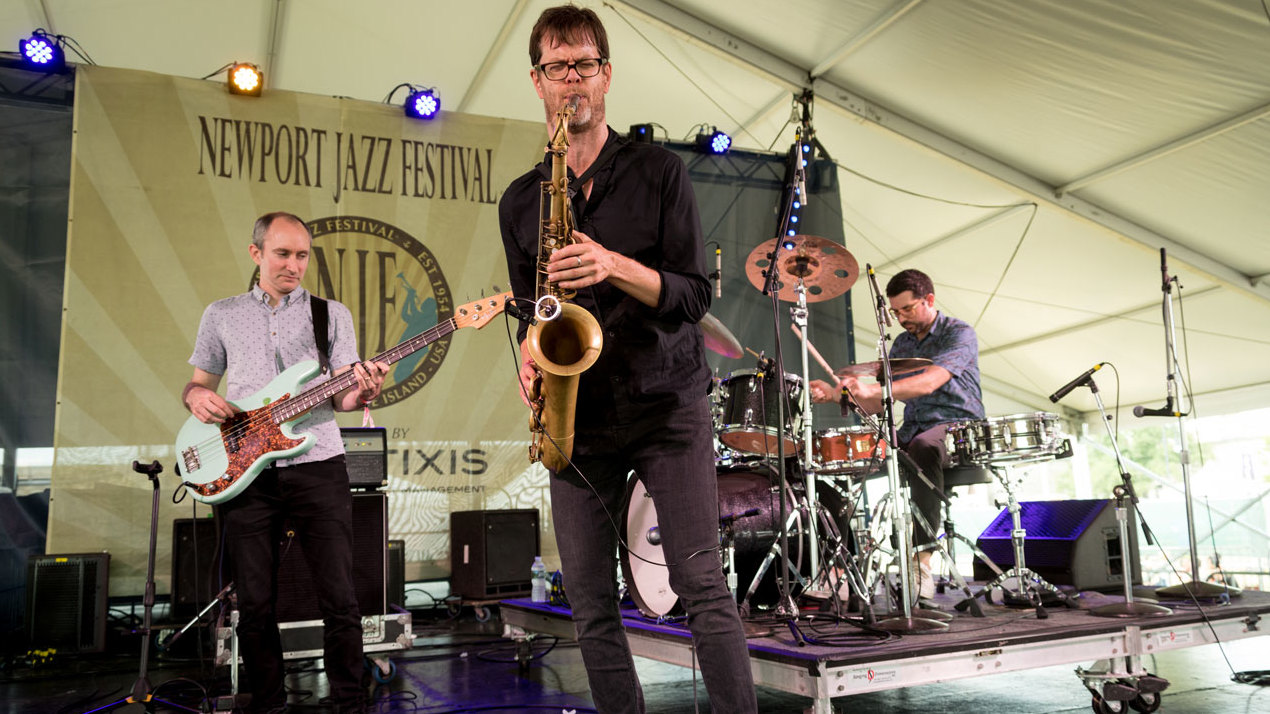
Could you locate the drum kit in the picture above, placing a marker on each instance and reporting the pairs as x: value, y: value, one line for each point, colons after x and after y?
x: 837, y: 545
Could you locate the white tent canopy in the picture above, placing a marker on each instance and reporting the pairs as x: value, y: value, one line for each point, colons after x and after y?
x: 1032, y: 156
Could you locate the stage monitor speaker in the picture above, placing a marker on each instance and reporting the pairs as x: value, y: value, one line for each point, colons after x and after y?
x: 297, y: 596
x: 1074, y: 542
x: 366, y: 452
x: 491, y: 552
x: 66, y: 599
x: 396, y: 573
x: 195, y: 577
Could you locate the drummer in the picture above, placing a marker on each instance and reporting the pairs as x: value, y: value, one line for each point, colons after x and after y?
x: 946, y: 392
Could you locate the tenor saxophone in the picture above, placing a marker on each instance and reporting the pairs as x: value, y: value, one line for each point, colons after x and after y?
x: 565, y: 340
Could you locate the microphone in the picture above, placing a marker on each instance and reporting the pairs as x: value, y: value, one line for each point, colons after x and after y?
x: 515, y: 311
x: 873, y: 280
x: 1063, y: 390
x: 1164, y: 271
x: 1165, y: 411
x: 718, y: 272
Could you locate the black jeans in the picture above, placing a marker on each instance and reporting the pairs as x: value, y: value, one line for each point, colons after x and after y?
x: 930, y: 453
x: 673, y: 455
x: 315, y: 499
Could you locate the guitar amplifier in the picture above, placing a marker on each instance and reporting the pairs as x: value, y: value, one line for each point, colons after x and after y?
x: 366, y: 451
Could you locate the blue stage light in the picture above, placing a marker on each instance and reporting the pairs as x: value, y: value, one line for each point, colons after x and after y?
x: 713, y: 141
x: 41, y: 52
x: 423, y: 104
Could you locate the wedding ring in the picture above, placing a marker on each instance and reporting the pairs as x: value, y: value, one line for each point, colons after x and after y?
x: 579, y: 259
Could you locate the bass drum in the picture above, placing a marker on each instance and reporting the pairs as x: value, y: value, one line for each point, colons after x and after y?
x: 742, y: 489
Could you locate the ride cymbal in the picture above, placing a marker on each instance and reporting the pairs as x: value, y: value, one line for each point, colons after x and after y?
x: 871, y: 369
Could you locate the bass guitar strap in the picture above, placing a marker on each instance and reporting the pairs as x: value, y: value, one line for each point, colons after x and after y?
x: 320, y: 320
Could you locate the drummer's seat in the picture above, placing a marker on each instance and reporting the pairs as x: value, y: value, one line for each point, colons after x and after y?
x: 955, y: 476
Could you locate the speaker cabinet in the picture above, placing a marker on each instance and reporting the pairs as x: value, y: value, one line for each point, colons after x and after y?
x: 297, y: 596
x: 66, y: 601
x: 491, y: 552
x: 195, y: 578
x: 366, y: 454
x: 1074, y: 542
x: 396, y: 573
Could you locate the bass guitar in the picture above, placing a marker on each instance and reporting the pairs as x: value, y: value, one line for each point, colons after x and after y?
x: 218, y: 461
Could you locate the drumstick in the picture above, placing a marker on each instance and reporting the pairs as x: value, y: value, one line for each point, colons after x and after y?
x: 811, y: 349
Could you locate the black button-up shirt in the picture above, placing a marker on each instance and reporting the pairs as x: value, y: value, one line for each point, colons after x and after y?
x: 642, y: 206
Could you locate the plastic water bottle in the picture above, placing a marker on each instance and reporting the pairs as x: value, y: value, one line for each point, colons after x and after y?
x: 538, y: 580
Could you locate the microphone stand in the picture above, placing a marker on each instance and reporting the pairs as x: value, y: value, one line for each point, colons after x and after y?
x: 1123, y: 492
x: 906, y: 621
x: 142, y: 692
x: 1194, y: 588
x: 786, y: 609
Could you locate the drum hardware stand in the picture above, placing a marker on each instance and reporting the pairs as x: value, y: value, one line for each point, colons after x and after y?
x: 906, y: 621
x: 944, y: 546
x: 854, y: 578
x: 775, y: 551
x: 1123, y: 492
x: 142, y: 693
x: 1031, y: 584
x: 1194, y: 588
x: 728, y: 537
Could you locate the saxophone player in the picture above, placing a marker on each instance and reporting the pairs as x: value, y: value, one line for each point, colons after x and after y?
x: 637, y: 265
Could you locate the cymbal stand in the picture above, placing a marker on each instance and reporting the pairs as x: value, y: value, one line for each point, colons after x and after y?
x: 798, y: 313
x: 901, y: 519
x: 1123, y: 492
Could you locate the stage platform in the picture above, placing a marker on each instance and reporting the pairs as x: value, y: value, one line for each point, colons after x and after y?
x: 841, y: 659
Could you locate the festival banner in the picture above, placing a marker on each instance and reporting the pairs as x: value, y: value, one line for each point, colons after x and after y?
x: 168, y: 177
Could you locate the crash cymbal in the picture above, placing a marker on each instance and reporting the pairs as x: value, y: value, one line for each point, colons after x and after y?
x: 826, y: 268
x: 870, y: 369
x: 719, y: 339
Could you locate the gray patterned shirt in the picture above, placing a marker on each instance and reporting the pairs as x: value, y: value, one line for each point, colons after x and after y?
x: 950, y: 344
x: 250, y: 343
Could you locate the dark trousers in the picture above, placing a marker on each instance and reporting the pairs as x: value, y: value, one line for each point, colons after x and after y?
x: 315, y: 499
x: 930, y: 453
x: 673, y: 455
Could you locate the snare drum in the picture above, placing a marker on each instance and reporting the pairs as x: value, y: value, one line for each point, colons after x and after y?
x: 749, y: 415
x: 848, y: 450
x: 1017, y: 437
x: 1021, y: 437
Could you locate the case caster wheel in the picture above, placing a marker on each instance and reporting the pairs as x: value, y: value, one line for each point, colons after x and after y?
x: 1145, y: 702
x: 383, y: 672
x: 1107, y: 706
x: 482, y: 613
x: 524, y: 656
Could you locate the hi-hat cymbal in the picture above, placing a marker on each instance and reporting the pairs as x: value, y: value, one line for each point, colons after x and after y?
x: 719, y: 339
x: 827, y: 269
x: 871, y: 369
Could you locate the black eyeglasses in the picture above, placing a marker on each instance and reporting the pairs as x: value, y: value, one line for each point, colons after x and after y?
x: 557, y: 71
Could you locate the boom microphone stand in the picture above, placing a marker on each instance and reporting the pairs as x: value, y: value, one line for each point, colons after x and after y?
x: 1123, y: 492
x: 142, y: 693
x: 1194, y: 588
x: 906, y: 621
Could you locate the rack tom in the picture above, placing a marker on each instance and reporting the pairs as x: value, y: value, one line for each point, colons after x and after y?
x: 749, y: 417
x: 847, y: 450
